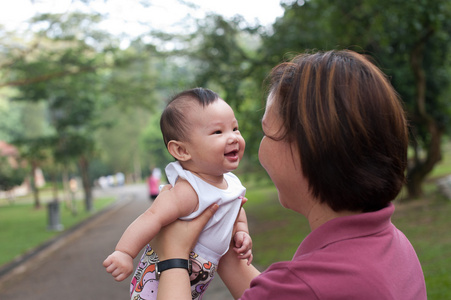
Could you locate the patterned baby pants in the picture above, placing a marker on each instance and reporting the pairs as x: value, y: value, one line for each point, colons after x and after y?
x: 144, y: 285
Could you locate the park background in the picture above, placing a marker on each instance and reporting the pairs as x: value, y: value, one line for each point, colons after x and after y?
x: 78, y: 100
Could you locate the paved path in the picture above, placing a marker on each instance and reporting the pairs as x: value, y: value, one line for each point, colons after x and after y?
x: 71, y: 268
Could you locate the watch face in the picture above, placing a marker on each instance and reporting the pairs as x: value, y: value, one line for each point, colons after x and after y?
x: 157, y: 272
x: 190, y: 267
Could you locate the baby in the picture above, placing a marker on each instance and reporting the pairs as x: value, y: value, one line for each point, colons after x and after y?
x: 201, y: 132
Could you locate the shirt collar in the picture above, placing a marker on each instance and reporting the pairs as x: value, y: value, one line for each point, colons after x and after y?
x: 347, y: 227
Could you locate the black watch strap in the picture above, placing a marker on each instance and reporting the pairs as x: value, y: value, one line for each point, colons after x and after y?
x: 171, y: 264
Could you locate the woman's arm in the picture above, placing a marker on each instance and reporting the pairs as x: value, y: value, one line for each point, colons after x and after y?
x: 176, y: 241
x: 174, y: 284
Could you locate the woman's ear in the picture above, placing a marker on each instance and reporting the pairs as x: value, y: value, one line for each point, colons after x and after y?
x: 178, y: 150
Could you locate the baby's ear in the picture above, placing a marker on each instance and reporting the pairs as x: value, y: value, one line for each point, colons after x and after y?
x: 178, y: 150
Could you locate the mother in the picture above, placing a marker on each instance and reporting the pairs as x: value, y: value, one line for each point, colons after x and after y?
x: 335, y: 146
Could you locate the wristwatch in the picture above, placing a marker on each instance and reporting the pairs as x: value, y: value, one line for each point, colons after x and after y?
x: 170, y: 264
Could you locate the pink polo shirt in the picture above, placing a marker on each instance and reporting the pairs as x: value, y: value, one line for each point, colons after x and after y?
x: 354, y: 257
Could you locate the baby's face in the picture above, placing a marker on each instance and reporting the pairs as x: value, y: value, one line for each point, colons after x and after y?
x: 215, y: 143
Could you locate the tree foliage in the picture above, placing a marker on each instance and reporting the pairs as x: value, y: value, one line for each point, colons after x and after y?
x: 10, y: 176
x: 226, y: 59
x: 408, y: 40
x: 104, y: 102
x: 63, y: 71
x: 81, y: 75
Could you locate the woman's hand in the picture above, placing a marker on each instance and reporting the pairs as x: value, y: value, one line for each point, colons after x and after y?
x: 177, y: 239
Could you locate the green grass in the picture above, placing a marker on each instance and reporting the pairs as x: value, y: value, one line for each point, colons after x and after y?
x: 23, y: 228
x: 444, y: 166
x: 426, y: 224
x: 277, y: 232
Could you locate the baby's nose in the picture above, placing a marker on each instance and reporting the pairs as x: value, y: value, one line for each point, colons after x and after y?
x: 232, y: 139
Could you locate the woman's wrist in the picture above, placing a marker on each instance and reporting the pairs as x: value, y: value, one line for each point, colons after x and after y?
x: 172, y: 253
x: 174, y: 272
x: 174, y: 263
x: 164, y: 257
x: 168, y: 290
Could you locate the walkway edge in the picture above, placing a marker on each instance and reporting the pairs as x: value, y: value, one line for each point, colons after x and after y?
x: 21, y: 264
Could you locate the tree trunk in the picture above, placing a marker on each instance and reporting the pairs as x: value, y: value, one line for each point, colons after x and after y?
x: 65, y: 179
x: 55, y: 186
x: 84, y: 165
x: 137, y: 167
x: 418, y: 172
x: 422, y: 167
x: 34, y: 188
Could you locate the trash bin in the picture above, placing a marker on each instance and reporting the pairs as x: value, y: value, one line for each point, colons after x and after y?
x: 54, y: 217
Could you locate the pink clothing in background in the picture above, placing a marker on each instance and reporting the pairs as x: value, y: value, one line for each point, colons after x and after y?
x: 361, y: 256
x: 154, y: 184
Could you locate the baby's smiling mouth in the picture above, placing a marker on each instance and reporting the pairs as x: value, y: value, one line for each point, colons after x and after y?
x: 232, y: 153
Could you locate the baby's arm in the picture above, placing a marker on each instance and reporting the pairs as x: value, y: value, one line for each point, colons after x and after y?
x: 242, y: 240
x: 170, y: 205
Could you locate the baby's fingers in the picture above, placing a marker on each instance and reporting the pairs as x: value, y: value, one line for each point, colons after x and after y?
x: 111, y: 268
x: 120, y: 277
x: 107, y: 262
x: 238, y: 241
x: 248, y: 255
x: 243, y: 244
x: 249, y: 258
x: 240, y: 250
x: 240, y: 246
x: 243, y: 201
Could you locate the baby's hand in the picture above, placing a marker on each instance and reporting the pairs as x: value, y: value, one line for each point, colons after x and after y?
x: 119, y: 264
x: 243, y: 246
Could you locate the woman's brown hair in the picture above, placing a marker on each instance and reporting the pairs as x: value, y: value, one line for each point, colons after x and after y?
x: 348, y: 124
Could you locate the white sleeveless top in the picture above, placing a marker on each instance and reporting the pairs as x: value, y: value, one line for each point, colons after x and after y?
x: 215, y: 238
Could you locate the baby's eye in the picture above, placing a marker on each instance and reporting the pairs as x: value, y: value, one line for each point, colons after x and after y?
x: 217, y: 132
x: 235, y: 129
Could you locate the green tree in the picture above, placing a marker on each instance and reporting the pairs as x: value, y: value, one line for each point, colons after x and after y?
x: 10, y: 119
x: 63, y: 72
x: 119, y: 144
x: 32, y: 137
x: 408, y: 40
x: 10, y: 176
x: 36, y: 151
x: 157, y: 155
x: 82, y: 75
x: 224, y: 57
x: 134, y: 86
